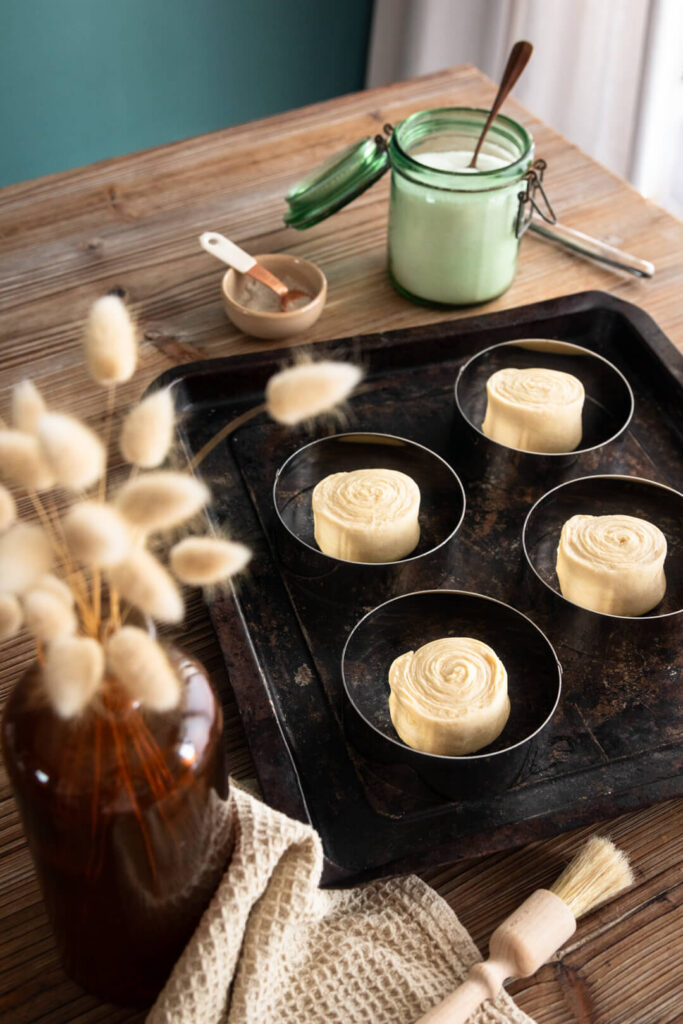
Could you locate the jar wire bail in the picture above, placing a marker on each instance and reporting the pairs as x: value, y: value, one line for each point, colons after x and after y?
x: 534, y: 185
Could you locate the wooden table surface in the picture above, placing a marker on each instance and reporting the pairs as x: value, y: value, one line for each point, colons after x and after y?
x: 132, y: 223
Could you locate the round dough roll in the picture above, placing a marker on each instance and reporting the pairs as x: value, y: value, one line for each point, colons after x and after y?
x: 536, y: 410
x: 368, y: 515
x: 449, y: 697
x: 612, y: 564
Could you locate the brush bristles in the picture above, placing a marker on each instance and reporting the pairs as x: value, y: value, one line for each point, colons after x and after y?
x: 47, y: 616
x: 96, y: 534
x: 74, y: 453
x: 145, y: 583
x: 22, y: 459
x: 147, y: 431
x: 140, y: 664
x: 8, y: 509
x: 11, y: 618
x: 201, y: 561
x: 110, y: 342
x: 161, y: 500
x: 308, y: 389
x: 25, y: 554
x: 597, y: 873
x: 28, y: 406
x: 74, y: 668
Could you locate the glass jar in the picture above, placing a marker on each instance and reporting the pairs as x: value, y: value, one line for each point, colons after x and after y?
x: 452, y: 235
x: 125, y: 823
x: 452, y: 229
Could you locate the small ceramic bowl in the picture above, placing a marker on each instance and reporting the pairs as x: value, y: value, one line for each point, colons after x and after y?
x: 299, y: 274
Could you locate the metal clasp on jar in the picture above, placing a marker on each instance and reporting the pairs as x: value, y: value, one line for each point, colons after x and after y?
x: 528, y: 202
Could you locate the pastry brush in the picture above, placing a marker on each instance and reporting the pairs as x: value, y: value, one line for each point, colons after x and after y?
x: 528, y: 938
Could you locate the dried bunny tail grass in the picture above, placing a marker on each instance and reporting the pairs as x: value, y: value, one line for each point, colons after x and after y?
x: 73, y: 673
x: 308, y: 389
x: 54, y: 585
x: 11, y: 616
x: 28, y: 405
x: 201, y: 561
x: 25, y: 554
x: 141, y: 665
x: 22, y: 459
x: 145, y: 583
x: 47, y: 616
x: 75, y: 453
x: 8, y: 509
x: 159, y: 501
x: 96, y: 534
x: 110, y: 343
x: 147, y: 430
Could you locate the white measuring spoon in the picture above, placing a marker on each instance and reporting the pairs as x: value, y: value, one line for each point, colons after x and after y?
x: 227, y: 252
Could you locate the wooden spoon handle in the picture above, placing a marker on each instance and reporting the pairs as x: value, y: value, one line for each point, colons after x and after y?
x: 517, y: 61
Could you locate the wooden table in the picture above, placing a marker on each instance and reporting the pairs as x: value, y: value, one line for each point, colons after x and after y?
x: 132, y: 223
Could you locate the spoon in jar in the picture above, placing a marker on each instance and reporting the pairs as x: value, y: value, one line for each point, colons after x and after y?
x: 517, y: 61
x: 226, y: 251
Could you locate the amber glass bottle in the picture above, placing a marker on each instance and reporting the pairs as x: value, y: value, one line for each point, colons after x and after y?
x: 123, y: 813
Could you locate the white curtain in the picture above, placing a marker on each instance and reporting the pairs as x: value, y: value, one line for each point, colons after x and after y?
x: 590, y: 76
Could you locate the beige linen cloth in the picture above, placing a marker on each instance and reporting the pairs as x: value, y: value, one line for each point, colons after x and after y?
x: 273, y: 947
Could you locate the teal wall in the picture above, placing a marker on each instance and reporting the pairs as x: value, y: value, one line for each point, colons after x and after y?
x: 81, y: 80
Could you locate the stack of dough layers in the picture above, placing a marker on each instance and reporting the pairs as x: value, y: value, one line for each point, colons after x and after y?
x: 368, y: 515
x: 535, y: 410
x: 612, y: 564
x: 449, y: 697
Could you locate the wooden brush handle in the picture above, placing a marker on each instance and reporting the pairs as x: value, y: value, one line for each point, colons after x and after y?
x: 518, y: 947
x: 483, y: 982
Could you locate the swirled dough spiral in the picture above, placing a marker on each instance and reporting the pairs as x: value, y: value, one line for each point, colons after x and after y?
x: 612, y: 564
x: 536, y: 410
x: 449, y: 697
x: 367, y: 515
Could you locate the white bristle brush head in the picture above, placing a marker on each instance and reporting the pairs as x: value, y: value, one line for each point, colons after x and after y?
x: 28, y: 405
x: 146, y: 584
x: 110, y: 343
x: 25, y: 554
x: 161, y: 500
x: 22, y: 460
x: 147, y: 431
x: 96, y: 533
x: 597, y: 873
x: 309, y: 389
x: 73, y: 673
x: 11, y: 616
x: 202, y: 561
x: 141, y: 665
x: 73, y: 451
x: 8, y: 509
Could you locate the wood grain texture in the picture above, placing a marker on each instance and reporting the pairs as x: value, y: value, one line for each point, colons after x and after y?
x: 132, y: 223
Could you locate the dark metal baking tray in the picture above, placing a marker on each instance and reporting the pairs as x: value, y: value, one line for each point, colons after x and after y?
x: 616, y: 741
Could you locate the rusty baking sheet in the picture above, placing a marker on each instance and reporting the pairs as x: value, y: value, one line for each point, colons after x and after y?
x: 615, y: 742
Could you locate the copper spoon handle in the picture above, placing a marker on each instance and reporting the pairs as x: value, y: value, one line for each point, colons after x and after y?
x: 517, y: 61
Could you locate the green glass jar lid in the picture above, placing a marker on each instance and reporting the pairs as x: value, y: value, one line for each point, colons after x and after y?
x: 336, y: 182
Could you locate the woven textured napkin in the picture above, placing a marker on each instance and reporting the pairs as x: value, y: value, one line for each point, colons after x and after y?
x: 273, y: 947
